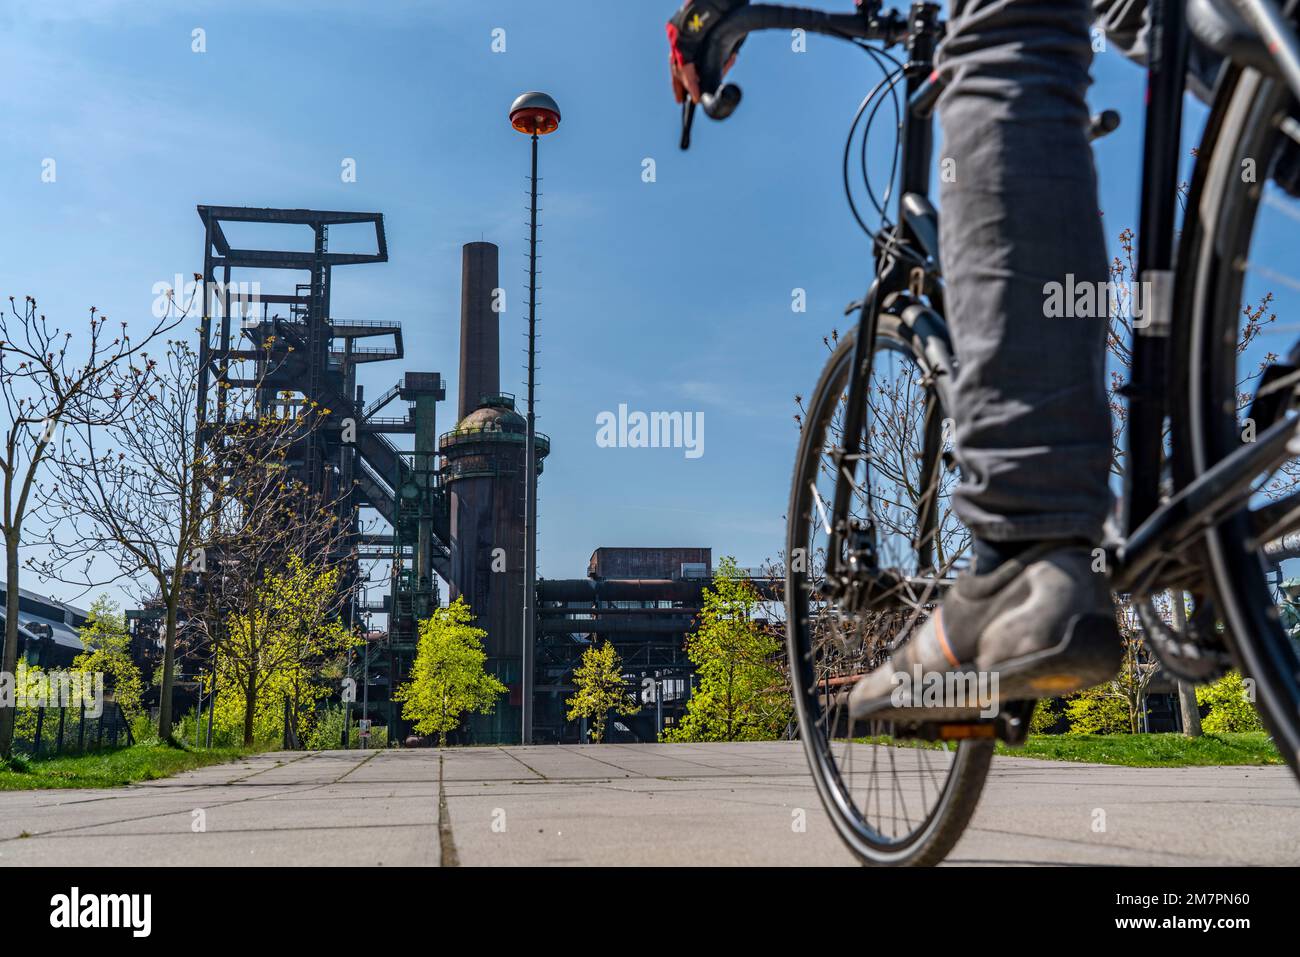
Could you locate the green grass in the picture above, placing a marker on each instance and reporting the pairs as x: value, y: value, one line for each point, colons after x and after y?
x: 1151, y: 750
x: 1141, y: 750
x: 111, y: 767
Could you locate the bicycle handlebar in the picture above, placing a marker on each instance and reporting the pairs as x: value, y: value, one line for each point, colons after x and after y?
x: 733, y: 28
x: 720, y: 100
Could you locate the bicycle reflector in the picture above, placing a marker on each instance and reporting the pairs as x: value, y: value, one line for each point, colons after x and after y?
x: 535, y: 113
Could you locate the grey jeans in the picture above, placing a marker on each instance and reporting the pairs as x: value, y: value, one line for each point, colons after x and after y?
x: 1033, y: 427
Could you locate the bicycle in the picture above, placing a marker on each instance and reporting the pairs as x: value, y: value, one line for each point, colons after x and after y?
x: 871, y: 544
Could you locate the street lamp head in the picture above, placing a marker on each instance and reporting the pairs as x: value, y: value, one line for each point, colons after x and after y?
x: 535, y: 113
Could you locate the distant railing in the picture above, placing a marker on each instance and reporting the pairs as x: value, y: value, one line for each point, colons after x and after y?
x: 366, y: 323
x: 45, y: 731
x: 471, y: 435
x: 365, y: 351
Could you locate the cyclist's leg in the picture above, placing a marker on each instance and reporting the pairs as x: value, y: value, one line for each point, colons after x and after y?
x: 1033, y: 426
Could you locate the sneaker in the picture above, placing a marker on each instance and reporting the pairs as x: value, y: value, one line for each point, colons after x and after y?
x: 1041, y: 624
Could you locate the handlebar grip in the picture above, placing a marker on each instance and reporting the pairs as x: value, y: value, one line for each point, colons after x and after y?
x: 1104, y: 123
x: 728, y: 34
x: 722, y: 104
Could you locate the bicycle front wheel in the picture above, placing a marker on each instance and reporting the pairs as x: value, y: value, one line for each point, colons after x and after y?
x: 894, y: 800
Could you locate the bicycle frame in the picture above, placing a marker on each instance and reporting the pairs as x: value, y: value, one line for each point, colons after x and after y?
x: 1153, y: 531
x: 917, y: 137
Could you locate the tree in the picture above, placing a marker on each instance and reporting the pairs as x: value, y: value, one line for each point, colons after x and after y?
x: 108, y: 651
x: 44, y: 388
x: 271, y: 649
x: 271, y: 526
x: 599, y: 689
x: 1119, y: 705
x: 740, y: 692
x: 448, y: 678
x: 145, y: 492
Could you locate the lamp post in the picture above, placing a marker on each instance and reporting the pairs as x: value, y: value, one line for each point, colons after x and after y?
x: 535, y: 114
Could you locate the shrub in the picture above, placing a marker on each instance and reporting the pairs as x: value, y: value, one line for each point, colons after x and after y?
x: 1045, y: 716
x: 329, y: 731
x: 1099, y: 710
x: 1230, y: 706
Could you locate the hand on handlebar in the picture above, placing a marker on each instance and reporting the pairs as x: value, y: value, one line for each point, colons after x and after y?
x: 686, y: 79
x: 688, y: 45
x: 688, y: 39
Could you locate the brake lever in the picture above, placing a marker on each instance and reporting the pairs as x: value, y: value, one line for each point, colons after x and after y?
x: 688, y: 119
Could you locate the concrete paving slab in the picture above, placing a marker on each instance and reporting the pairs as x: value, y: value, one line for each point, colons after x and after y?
x: 637, y: 805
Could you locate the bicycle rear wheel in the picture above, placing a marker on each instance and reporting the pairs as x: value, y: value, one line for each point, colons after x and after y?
x: 1237, y: 267
x: 894, y: 801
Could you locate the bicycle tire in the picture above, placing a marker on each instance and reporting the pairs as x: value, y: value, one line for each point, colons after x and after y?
x: 934, y: 837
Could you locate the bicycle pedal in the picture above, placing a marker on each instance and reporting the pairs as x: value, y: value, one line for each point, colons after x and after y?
x: 964, y: 730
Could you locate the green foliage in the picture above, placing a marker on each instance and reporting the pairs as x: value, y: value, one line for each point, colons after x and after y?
x: 276, y: 650
x: 1045, y: 716
x: 741, y: 694
x: 26, y: 682
x: 1230, y: 706
x: 1100, y: 710
x: 108, y: 650
x: 328, y: 732
x: 448, y: 678
x: 600, y: 689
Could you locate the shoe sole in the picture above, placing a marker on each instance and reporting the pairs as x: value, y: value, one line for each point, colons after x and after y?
x: 1089, y: 654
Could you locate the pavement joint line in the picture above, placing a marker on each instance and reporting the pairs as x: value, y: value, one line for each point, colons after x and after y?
x: 363, y: 761
x: 713, y: 767
x: 168, y: 813
x: 1092, y: 845
x: 709, y: 792
x: 568, y: 749
x: 447, y: 856
x: 62, y: 836
x: 277, y: 764
x: 521, y: 761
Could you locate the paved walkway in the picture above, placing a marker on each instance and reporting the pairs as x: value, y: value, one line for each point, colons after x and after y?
x: 656, y: 804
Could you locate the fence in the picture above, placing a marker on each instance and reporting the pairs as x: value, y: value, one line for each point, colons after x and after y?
x: 50, y: 731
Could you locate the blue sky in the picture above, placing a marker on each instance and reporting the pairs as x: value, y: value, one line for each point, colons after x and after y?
x: 671, y: 295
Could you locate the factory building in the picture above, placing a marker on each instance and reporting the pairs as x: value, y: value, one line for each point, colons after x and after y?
x: 642, y: 600
x: 48, y: 635
x: 453, y: 504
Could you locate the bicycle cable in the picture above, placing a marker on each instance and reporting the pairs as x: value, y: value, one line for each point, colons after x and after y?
x: 887, y: 87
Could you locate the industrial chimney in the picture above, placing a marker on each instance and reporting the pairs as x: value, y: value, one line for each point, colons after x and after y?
x: 483, y: 472
x: 480, y: 327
